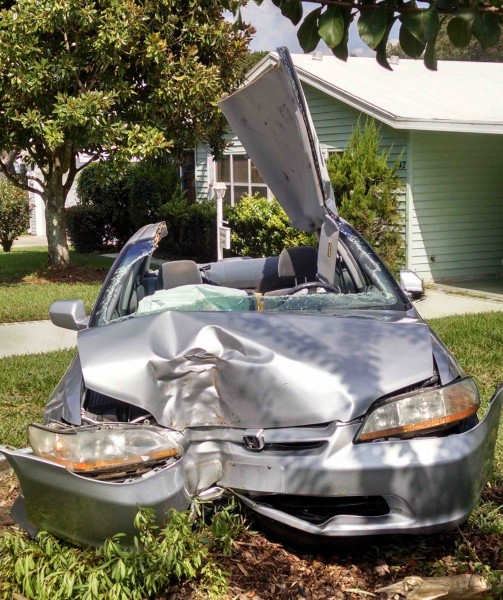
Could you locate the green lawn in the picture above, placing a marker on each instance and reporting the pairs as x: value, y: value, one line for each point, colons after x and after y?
x: 477, y: 343
x: 28, y: 288
x: 25, y: 385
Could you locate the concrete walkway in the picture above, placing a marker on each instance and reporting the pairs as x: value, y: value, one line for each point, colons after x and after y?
x: 442, y: 304
x: 28, y: 241
x: 34, y: 336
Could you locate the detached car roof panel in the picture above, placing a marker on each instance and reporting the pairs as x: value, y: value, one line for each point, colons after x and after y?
x: 271, y: 119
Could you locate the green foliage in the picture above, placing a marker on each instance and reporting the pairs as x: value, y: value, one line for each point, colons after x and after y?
x: 185, y: 549
x: 14, y: 213
x: 85, y: 227
x: 420, y: 24
x: 260, y: 227
x: 150, y: 186
x: 106, y: 193
x: 115, y: 204
x: 454, y: 42
x: 122, y: 78
x: 191, y: 230
x: 366, y: 190
x: 250, y: 60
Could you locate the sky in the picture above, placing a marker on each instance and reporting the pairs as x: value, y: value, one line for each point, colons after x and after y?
x: 273, y: 30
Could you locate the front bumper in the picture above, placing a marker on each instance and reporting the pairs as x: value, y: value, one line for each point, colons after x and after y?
x: 428, y: 484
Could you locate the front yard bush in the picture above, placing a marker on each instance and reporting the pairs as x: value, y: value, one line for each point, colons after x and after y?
x: 260, y: 227
x: 191, y: 230
x: 150, y: 187
x: 85, y: 228
x: 185, y: 549
x: 14, y: 213
x: 107, y: 193
x: 113, y: 206
x: 367, y: 193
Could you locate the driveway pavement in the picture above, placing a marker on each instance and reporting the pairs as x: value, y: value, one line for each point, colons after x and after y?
x: 443, y: 304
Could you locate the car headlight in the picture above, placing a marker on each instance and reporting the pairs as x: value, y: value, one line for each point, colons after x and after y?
x: 102, y: 448
x: 420, y: 411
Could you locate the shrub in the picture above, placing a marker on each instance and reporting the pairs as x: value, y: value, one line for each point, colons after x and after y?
x: 366, y: 191
x: 260, y: 227
x: 191, y: 230
x: 101, y: 188
x: 85, y: 228
x: 114, y: 205
x: 14, y: 213
x: 150, y: 187
x: 47, y: 568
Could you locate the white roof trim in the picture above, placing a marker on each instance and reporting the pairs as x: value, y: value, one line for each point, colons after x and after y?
x: 415, y: 119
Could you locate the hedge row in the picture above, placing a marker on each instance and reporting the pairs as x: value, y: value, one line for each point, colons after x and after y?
x: 111, y: 209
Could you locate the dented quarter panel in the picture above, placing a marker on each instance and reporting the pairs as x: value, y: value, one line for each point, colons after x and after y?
x: 65, y: 401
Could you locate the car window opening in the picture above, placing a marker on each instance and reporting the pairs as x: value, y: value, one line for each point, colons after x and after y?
x: 288, y: 283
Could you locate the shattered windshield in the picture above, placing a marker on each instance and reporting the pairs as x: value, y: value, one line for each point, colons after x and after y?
x: 136, y: 287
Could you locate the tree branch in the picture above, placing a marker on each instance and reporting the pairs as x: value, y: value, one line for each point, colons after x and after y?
x: 15, y: 180
x: 94, y: 158
x: 71, y: 174
x: 401, y: 10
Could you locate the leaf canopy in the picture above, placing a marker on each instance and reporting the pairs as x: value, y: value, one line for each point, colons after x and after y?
x: 114, y: 76
x: 419, y: 24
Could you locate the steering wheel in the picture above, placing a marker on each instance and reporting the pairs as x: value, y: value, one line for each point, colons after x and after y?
x: 310, y: 285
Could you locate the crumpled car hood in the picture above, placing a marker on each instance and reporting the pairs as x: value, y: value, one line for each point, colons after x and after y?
x: 254, y: 370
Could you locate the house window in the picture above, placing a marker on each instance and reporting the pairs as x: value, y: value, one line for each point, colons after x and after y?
x: 331, y: 152
x: 240, y: 176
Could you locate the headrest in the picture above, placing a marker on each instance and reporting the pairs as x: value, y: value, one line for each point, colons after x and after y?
x: 179, y: 272
x: 298, y: 262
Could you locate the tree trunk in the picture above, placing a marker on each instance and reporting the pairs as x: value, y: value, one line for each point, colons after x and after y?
x: 55, y: 220
x: 6, y: 244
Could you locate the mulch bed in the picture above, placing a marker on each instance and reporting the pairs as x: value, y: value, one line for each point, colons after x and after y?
x: 263, y: 569
x: 70, y: 274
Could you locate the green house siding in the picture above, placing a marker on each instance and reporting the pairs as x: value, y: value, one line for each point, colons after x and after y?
x: 455, y: 205
x: 334, y: 122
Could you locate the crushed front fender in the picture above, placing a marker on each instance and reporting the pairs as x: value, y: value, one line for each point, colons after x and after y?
x: 87, y: 511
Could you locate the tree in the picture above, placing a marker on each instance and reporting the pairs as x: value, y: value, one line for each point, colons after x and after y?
x: 14, y: 213
x: 117, y: 78
x: 419, y: 24
x: 366, y: 188
x: 447, y: 51
x: 252, y: 59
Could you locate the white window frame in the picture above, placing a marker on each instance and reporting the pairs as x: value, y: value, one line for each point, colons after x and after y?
x: 232, y: 184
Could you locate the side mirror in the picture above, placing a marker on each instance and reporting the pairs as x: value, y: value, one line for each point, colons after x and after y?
x: 69, y: 314
x: 411, y: 284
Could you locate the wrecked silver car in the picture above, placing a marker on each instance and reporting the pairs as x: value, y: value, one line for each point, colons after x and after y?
x: 305, y: 384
